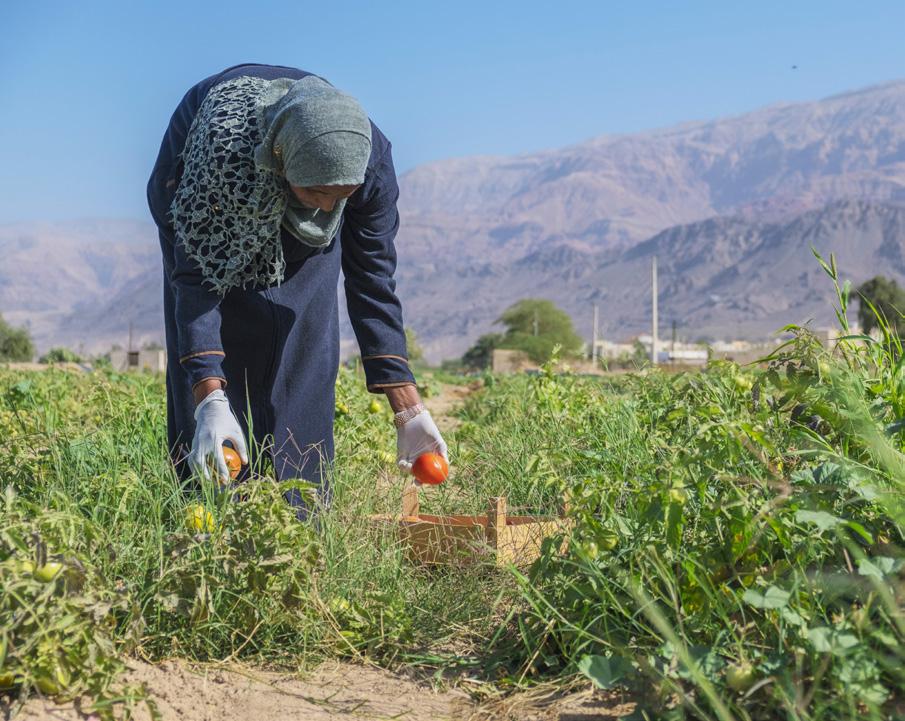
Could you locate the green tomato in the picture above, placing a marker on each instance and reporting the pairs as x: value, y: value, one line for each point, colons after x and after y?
x: 48, y: 571
x: 678, y: 496
x: 339, y: 605
x: 341, y: 409
x: 590, y: 549
x: 740, y: 676
x: 607, y: 540
x: 47, y: 685
x: 374, y: 406
x: 7, y: 680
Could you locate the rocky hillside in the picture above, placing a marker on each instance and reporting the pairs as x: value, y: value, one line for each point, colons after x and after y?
x: 613, y: 191
x: 55, y: 275
x: 722, y: 277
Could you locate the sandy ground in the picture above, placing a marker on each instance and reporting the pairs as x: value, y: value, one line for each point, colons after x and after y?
x: 443, y: 405
x: 334, y: 692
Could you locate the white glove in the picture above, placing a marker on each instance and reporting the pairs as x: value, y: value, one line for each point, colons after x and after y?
x: 214, y: 424
x: 418, y: 435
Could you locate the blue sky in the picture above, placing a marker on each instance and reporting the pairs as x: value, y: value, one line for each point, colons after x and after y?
x: 86, y: 88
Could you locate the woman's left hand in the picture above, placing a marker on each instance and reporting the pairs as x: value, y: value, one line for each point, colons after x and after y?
x: 418, y: 435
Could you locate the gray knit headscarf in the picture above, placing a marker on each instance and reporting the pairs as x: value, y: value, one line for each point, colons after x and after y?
x: 315, y: 135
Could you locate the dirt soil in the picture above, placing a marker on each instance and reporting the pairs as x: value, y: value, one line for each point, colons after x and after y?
x: 447, y: 401
x: 334, y: 692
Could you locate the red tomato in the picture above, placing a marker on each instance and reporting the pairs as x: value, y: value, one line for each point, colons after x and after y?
x: 430, y: 468
x: 233, y: 462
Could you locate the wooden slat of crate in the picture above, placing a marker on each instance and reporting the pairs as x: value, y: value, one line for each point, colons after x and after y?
x: 439, y: 540
x: 520, y: 544
x: 462, y: 539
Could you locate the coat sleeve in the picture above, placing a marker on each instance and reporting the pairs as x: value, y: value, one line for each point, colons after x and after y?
x: 197, y: 311
x: 369, y: 230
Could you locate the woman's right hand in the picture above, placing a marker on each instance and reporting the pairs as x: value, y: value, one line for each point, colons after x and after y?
x: 215, y: 423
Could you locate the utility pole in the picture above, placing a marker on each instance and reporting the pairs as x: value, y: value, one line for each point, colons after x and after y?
x: 535, y: 323
x: 130, y: 337
x: 594, y: 339
x: 654, y: 341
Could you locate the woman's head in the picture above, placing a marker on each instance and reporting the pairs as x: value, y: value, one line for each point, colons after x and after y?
x: 319, y: 139
x: 323, y: 197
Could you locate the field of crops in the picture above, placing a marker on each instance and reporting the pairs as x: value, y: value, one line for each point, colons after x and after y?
x: 736, y: 549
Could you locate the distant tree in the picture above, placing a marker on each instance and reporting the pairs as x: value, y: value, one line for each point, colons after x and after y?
x: 888, y: 299
x: 453, y: 365
x: 15, y: 343
x: 152, y: 345
x: 413, y: 347
x: 640, y: 356
x: 537, y: 326
x: 60, y: 355
x: 480, y: 354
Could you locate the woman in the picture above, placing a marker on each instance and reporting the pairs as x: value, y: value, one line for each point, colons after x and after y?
x: 267, y: 181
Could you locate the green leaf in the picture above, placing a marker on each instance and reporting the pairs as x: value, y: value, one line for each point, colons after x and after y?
x: 676, y: 414
x: 828, y: 473
x: 860, y: 530
x: 823, y: 520
x: 792, y: 617
x: 605, y: 671
x: 863, y: 488
x: 827, y: 521
x: 830, y: 640
x: 706, y: 661
x: 773, y: 597
x: 874, y: 693
x: 758, y: 437
x: 879, y: 566
x: 674, y: 524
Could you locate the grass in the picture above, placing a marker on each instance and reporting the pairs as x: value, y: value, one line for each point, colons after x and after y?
x: 257, y: 585
x: 736, y: 549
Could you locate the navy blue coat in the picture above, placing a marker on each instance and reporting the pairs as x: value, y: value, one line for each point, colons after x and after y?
x: 277, y: 348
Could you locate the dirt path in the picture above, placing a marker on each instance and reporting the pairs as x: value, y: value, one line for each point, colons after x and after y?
x: 443, y: 405
x: 334, y: 692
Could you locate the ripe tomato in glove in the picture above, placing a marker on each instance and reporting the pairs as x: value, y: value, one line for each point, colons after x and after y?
x: 233, y: 462
x: 430, y: 469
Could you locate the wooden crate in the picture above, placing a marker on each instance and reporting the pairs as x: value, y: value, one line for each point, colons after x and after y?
x: 456, y: 540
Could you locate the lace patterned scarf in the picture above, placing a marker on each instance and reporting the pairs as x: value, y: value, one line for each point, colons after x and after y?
x: 233, y: 197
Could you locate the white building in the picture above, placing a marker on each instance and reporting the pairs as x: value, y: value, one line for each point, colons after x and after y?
x: 610, y: 351
x: 139, y: 360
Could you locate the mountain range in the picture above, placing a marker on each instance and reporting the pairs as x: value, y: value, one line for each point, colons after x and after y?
x: 730, y: 207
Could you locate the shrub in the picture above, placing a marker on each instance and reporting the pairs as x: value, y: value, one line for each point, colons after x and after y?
x: 15, y: 343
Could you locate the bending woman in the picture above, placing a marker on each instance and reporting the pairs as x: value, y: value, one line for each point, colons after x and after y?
x: 267, y: 182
